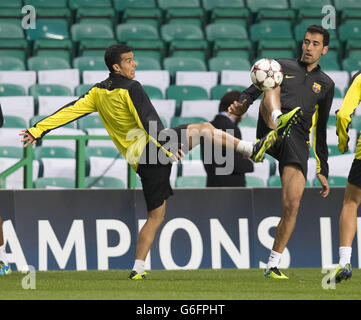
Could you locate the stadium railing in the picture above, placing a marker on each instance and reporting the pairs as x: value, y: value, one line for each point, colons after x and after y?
x: 27, y: 163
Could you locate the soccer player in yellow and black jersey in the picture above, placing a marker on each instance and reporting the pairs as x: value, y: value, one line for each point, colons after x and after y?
x: 352, y: 197
x: 305, y: 86
x: 4, y: 265
x: 135, y: 128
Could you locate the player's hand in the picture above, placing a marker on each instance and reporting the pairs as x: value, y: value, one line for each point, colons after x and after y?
x: 238, y: 109
x: 324, y: 183
x: 28, y: 138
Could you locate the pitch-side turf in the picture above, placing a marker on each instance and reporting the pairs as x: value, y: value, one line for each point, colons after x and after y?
x: 223, y: 284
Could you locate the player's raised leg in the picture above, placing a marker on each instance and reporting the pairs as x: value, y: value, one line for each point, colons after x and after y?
x: 255, y: 151
x: 293, y: 183
x: 271, y: 112
x: 4, y: 264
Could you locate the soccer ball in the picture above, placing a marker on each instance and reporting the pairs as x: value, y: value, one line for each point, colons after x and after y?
x: 266, y: 74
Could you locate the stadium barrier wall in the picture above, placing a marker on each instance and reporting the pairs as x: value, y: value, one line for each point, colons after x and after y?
x: 203, y: 228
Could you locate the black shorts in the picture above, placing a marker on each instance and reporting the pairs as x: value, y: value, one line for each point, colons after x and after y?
x: 290, y: 150
x: 155, y: 177
x: 354, y: 176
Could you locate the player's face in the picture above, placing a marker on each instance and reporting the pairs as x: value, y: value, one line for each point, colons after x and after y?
x: 127, y: 65
x: 313, y: 48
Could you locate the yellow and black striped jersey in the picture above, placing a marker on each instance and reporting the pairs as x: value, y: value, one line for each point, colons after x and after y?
x: 348, y: 107
x: 125, y: 110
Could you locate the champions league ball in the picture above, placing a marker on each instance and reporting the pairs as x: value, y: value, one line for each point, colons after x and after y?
x: 266, y: 74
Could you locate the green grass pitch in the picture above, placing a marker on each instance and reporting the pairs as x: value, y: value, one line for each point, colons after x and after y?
x: 223, y: 284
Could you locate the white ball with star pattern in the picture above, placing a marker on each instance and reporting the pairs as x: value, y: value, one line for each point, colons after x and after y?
x: 266, y: 74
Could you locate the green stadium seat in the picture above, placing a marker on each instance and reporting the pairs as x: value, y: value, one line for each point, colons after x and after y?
x: 301, y: 4
x: 121, y: 5
x: 234, y: 54
x: 347, y: 4
x: 220, y: 90
x: 76, y: 4
x: 279, y: 14
x: 177, y: 121
x: 38, y: 118
x: 271, y: 30
x: 275, y: 181
x: 350, y: 30
x: 11, y: 152
x: 134, y: 31
x: 54, y: 13
x: 217, y: 31
x: 255, y: 6
x: 17, y: 48
x: 254, y: 182
x: 11, y: 4
x: 11, y: 15
x: 174, y: 64
x: 87, y: 15
x: 243, y: 47
x: 58, y: 182
x: 181, y: 15
x: 333, y: 149
x: 94, y: 47
x: 333, y: 181
x: 153, y: 92
x: 90, y: 122
x: 213, y: 4
x: 100, y: 151
x: 277, y: 44
x: 354, y: 54
x: 189, y: 48
x: 145, y: 15
x: 82, y: 31
x: 53, y: 152
x: 354, y: 14
x: 171, y: 32
x: 89, y: 63
x: 182, y: 93
x: 11, y: 64
x: 329, y: 63
x: 49, y: 90
x: 11, y: 90
x: 224, y: 63
x: 300, y: 30
x: 230, y: 15
x: 194, y: 154
x: 47, y: 63
x: 14, y: 122
x: 19, y: 54
x: 275, y: 54
x: 351, y: 64
x: 154, y: 55
x: 191, y: 182
x: 166, y: 4
x: 51, y: 29
x: 46, y: 4
x: 156, y: 45
x: 147, y: 63
x: 82, y: 89
x: 104, y: 183
x: 11, y: 31
x: 63, y: 54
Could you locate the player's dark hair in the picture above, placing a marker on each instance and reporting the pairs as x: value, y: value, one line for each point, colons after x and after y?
x: 319, y: 29
x: 228, y: 99
x: 113, y: 54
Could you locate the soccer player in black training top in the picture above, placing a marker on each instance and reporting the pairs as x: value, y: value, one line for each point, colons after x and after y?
x: 304, y: 85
